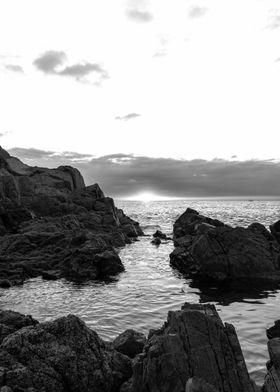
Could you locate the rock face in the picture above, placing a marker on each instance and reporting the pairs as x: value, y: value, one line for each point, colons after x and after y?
x: 272, y: 379
x: 50, y: 221
x: 130, y: 343
x: 58, y: 356
x: 206, y: 249
x: 12, y: 321
x: 193, y: 351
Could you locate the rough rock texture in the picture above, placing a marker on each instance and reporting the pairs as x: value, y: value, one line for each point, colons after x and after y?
x: 272, y: 378
x: 206, y: 249
x: 49, y: 221
x: 192, y: 344
x: 12, y: 321
x: 130, y: 343
x: 63, y: 355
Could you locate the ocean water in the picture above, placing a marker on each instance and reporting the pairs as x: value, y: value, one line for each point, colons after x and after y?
x: 141, y: 296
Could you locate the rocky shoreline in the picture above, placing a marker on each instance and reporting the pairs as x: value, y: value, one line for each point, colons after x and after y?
x: 207, y: 250
x: 193, y: 352
x: 52, y: 225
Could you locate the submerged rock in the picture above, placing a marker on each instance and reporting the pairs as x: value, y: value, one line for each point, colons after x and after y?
x: 62, y: 355
x: 50, y: 221
x: 206, y: 249
x: 193, y: 351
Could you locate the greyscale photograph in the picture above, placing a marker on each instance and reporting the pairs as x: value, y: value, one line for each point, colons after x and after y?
x: 139, y: 196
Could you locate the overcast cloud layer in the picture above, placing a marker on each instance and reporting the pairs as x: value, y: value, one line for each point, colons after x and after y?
x: 190, y: 79
x: 122, y: 175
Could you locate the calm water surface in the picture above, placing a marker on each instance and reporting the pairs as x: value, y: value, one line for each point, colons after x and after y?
x: 140, y: 297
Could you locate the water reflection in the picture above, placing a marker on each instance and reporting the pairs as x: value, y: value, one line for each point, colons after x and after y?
x: 141, y: 296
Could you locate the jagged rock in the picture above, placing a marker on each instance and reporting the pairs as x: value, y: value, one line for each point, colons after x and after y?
x: 274, y: 331
x: 12, y: 321
x: 156, y: 241
x: 192, y: 343
x: 130, y: 343
x: 50, y: 221
x: 87, y: 263
x: 206, y: 249
x: 161, y: 235
x: 272, y: 378
x: 63, y: 355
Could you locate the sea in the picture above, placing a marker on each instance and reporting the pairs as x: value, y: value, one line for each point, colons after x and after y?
x: 141, y: 297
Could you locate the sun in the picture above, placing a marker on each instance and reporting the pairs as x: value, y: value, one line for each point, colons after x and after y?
x: 146, y: 197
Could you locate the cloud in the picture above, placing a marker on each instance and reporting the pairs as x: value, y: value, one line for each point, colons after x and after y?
x: 197, y: 12
x: 53, y: 62
x: 36, y: 154
x: 14, y: 68
x: 273, y: 19
x: 125, y: 174
x: 139, y: 16
x: 49, y: 61
x: 129, y: 116
x: 79, y: 71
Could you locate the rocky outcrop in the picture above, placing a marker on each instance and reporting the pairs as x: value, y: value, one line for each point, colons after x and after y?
x: 206, y: 249
x: 12, y: 321
x: 193, y: 351
x: 50, y: 221
x: 63, y: 355
x: 130, y: 343
x: 272, y: 378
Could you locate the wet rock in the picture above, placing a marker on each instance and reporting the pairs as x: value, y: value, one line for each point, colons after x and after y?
x: 63, y: 355
x: 160, y: 234
x: 206, y: 249
x: 50, y: 221
x: 156, y: 241
x: 193, y: 343
x: 130, y: 343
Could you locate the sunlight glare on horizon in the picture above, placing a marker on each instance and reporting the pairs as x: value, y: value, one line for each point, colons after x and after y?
x: 148, y: 196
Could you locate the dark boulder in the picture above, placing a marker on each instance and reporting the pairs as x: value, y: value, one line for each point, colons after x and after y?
x: 206, y: 249
x: 130, y: 343
x: 12, y: 321
x: 192, y: 350
x: 156, y: 241
x: 87, y: 264
x: 161, y: 235
x: 275, y: 230
x: 63, y: 355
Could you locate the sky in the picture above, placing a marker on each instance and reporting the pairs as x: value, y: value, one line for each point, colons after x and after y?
x: 177, y: 98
